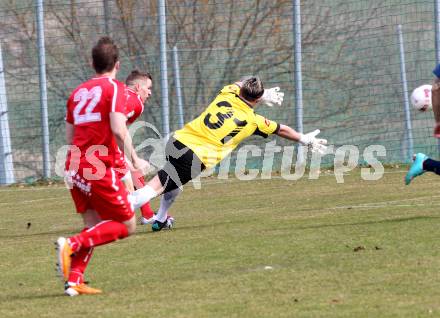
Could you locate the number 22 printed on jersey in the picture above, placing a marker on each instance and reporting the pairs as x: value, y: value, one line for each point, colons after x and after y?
x: 89, y: 100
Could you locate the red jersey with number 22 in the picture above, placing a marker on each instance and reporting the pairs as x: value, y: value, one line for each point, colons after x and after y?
x: 88, y: 109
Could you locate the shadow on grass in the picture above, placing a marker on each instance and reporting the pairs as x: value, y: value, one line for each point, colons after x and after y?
x: 69, y: 232
x: 141, y: 231
x: 30, y: 297
x: 199, y: 226
x: 396, y: 220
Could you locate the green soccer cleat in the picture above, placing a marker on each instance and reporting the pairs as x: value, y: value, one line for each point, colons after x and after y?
x: 416, y: 168
x: 167, y: 225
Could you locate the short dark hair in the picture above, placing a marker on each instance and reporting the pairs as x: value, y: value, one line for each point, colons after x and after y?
x: 105, y: 54
x: 136, y: 76
x: 252, y: 89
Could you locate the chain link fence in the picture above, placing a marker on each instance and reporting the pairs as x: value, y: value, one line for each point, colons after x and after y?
x: 351, y: 69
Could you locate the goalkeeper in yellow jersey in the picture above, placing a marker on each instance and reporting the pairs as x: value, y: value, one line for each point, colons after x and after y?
x: 205, y: 141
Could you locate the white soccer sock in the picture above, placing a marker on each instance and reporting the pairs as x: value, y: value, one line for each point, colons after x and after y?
x: 165, y: 203
x: 143, y: 195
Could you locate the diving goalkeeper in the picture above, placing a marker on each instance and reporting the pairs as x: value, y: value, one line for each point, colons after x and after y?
x: 205, y: 141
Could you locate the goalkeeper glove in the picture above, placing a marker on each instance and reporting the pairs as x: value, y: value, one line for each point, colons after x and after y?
x: 272, y: 96
x: 313, y: 143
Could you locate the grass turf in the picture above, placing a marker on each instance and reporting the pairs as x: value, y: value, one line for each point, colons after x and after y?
x: 264, y: 248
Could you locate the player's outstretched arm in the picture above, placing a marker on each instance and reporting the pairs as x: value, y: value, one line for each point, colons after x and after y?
x: 309, y: 140
x: 289, y: 133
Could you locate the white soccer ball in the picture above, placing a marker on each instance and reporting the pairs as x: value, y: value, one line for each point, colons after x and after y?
x: 421, y: 98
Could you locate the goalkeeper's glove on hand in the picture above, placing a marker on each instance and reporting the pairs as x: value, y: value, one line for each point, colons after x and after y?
x: 314, y: 144
x: 272, y: 96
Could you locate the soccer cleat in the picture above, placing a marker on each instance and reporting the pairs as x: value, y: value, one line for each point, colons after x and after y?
x: 170, y: 222
x: 167, y: 225
x: 416, y: 168
x: 80, y: 289
x: 64, y: 253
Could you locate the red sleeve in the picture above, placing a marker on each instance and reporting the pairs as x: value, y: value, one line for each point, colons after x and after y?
x: 69, y: 114
x: 119, y: 97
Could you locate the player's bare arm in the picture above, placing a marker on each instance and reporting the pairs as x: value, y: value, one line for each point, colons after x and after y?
x: 123, y: 139
x: 309, y: 140
x: 289, y: 133
x: 69, y: 133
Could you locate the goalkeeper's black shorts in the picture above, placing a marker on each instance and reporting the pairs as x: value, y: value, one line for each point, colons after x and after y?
x: 182, y: 165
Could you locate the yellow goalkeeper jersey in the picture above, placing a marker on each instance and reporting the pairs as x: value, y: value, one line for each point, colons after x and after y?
x: 226, y: 122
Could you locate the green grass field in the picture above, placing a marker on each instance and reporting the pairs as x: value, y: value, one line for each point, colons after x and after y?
x: 358, y: 249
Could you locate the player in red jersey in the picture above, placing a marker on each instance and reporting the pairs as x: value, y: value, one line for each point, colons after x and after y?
x: 95, y: 129
x: 138, y: 89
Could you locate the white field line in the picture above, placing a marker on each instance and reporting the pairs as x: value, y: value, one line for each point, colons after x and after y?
x: 370, y: 205
x: 378, y: 206
x: 30, y: 201
x: 394, y: 203
x: 33, y: 189
x: 214, y: 180
x: 358, y: 206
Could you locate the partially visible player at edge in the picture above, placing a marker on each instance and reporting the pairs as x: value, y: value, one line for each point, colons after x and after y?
x: 209, y: 138
x: 96, y: 128
x: 422, y: 162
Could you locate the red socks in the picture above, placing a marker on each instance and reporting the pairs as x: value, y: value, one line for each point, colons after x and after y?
x: 146, y: 211
x: 102, y: 233
x: 82, y: 244
x: 80, y: 260
x: 79, y: 263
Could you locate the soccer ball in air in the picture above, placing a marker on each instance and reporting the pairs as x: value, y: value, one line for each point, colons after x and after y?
x: 421, y: 98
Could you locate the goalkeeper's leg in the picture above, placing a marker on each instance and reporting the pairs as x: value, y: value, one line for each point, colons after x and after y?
x: 162, y: 219
x: 431, y: 165
x: 166, y: 201
x: 416, y: 168
x: 421, y: 164
x: 182, y: 165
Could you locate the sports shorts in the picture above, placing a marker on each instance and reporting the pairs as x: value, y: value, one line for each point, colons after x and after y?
x: 107, y: 196
x: 181, y: 166
x: 121, y: 169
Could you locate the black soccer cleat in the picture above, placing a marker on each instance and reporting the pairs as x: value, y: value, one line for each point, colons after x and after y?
x: 167, y: 225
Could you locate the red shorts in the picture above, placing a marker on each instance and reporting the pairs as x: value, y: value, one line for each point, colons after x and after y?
x: 121, y: 169
x: 106, y: 196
